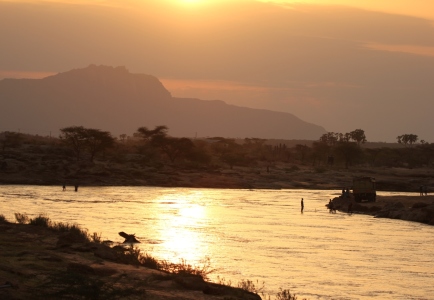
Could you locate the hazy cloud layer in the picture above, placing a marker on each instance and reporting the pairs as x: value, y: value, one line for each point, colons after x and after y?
x: 339, y: 67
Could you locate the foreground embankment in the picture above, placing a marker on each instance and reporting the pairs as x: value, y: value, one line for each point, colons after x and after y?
x: 39, y: 262
x: 409, y: 208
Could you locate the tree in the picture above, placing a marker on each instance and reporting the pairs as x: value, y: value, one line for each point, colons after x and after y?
x: 407, y: 139
x: 74, y: 137
x: 97, y: 141
x: 302, y: 150
x: 358, y: 136
x: 147, y: 134
x: 330, y: 138
x: 320, y: 150
x: 349, y: 151
x: 81, y: 139
x: 173, y: 147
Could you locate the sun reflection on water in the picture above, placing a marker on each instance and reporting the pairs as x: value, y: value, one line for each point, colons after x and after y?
x: 180, y: 229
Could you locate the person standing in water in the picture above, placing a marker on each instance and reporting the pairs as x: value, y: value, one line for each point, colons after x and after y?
x: 302, y: 205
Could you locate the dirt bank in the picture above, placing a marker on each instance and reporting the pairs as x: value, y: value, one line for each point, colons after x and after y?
x: 39, y: 263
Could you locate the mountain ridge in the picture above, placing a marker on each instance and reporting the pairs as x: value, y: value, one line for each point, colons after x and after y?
x: 113, y: 99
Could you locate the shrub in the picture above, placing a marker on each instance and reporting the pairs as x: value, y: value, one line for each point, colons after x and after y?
x: 250, y: 286
x: 96, y: 238
x: 285, y: 295
x: 40, y: 220
x: 2, y: 219
x: 148, y: 261
x: 73, y: 230
x: 184, y: 268
x: 21, y: 218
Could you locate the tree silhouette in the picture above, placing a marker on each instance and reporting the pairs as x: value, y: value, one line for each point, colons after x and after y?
x: 80, y: 139
x: 358, y: 136
x: 349, y: 151
x: 407, y: 139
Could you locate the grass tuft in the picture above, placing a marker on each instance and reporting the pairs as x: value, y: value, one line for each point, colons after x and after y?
x: 183, y: 268
x: 286, y: 295
x: 21, y: 218
x: 250, y: 286
x: 41, y: 220
x: 3, y: 219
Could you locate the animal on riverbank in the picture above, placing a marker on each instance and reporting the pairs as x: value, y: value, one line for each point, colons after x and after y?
x: 129, y: 238
x: 331, y: 207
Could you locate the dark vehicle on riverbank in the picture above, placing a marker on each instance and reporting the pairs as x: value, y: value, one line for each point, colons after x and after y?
x: 364, y: 188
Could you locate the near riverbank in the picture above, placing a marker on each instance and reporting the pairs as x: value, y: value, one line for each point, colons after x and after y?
x: 39, y: 262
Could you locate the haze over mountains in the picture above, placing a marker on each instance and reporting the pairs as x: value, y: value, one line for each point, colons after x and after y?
x: 115, y: 100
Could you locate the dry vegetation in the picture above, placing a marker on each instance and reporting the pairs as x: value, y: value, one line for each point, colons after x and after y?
x: 214, y: 163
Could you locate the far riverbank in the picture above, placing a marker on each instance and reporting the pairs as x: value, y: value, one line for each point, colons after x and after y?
x: 410, y: 208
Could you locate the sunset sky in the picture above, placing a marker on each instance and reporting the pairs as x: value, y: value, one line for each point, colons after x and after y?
x: 344, y: 65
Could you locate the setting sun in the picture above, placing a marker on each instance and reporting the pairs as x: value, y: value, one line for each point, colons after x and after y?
x: 190, y: 1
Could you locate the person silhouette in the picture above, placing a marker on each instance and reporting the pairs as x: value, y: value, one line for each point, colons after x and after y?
x: 302, y: 205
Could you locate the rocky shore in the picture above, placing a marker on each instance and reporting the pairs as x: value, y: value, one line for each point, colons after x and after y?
x: 409, y: 208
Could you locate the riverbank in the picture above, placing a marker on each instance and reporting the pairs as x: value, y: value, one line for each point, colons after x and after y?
x: 277, y: 175
x: 409, y: 208
x: 41, y: 263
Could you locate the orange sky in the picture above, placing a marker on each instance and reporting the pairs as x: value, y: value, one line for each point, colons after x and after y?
x: 317, y: 59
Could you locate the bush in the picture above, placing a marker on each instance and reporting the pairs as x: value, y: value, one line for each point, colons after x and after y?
x: 148, y: 261
x: 184, y: 268
x: 2, y: 219
x: 285, y: 295
x: 41, y: 220
x: 21, y: 218
x: 250, y: 286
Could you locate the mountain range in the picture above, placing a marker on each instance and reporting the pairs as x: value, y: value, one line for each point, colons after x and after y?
x: 115, y: 100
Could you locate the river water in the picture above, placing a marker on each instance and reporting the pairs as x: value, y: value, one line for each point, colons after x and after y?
x: 257, y: 235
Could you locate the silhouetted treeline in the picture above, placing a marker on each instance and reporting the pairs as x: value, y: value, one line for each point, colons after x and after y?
x: 156, y: 148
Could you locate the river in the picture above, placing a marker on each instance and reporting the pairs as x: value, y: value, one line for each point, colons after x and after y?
x: 257, y: 235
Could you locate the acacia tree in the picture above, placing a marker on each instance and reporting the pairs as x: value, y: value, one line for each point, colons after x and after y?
x: 407, y: 139
x: 74, y: 137
x: 97, y: 141
x: 147, y: 134
x: 80, y: 139
x: 173, y: 147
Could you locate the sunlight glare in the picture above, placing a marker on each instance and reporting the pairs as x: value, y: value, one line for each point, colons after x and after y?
x: 187, y: 214
x: 190, y: 1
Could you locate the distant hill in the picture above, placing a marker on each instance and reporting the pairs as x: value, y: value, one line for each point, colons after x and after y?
x: 115, y: 100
